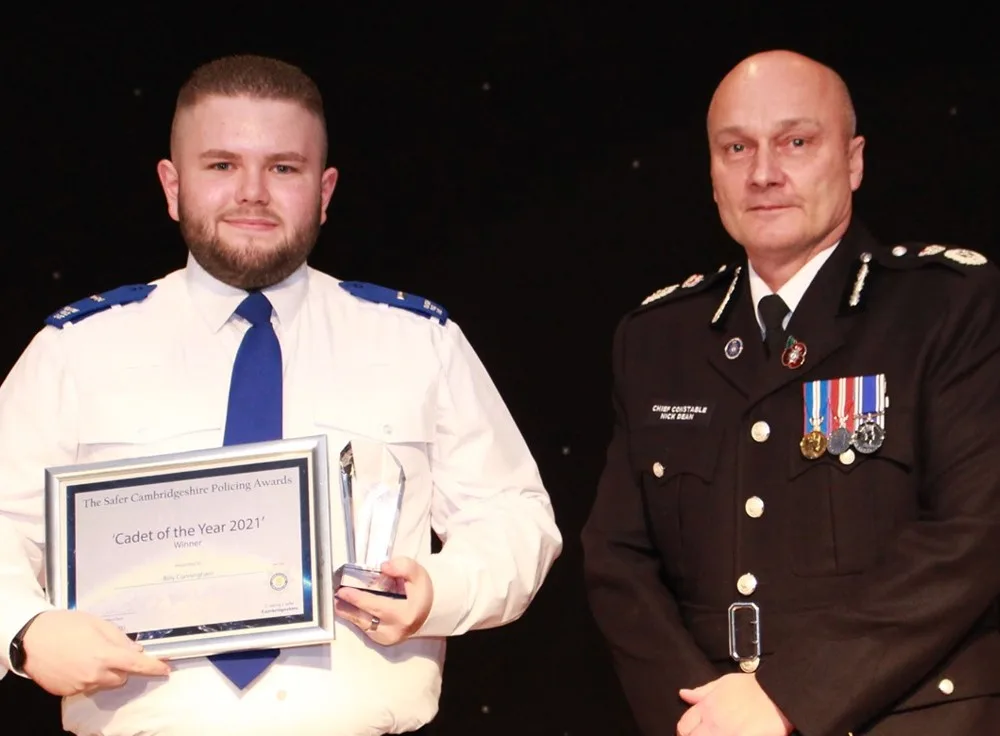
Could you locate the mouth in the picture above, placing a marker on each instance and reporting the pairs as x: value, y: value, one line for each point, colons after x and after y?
x: 770, y: 207
x: 257, y: 224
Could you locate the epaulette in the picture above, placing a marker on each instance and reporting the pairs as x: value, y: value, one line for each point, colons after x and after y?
x: 693, y: 284
x: 84, y: 308
x: 383, y: 295
x: 904, y: 257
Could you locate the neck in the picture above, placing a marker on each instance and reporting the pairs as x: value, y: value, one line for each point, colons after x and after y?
x: 777, y: 268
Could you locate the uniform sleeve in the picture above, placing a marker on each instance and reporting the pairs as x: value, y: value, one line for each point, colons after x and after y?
x: 653, y: 653
x: 940, y: 573
x: 489, y: 507
x: 37, y: 424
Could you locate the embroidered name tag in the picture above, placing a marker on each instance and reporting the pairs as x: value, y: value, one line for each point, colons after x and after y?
x: 670, y: 413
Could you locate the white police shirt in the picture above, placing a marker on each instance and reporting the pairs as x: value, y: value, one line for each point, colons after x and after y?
x: 152, y: 377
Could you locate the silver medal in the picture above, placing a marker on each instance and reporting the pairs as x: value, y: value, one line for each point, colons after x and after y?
x: 839, y: 442
x: 869, y: 437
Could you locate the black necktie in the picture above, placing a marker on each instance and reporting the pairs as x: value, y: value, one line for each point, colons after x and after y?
x: 773, y: 311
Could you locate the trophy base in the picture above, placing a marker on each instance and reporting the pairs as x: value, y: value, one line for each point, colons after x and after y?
x: 368, y: 579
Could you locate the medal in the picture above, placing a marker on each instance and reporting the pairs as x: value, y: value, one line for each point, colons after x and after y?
x: 870, y: 434
x: 842, y: 407
x: 814, y: 441
x: 794, y: 354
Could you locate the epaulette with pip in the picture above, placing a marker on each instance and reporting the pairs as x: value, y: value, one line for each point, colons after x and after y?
x: 96, y: 303
x: 383, y: 295
x: 905, y: 257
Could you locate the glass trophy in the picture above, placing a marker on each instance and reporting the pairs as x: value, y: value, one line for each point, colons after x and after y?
x: 371, y: 488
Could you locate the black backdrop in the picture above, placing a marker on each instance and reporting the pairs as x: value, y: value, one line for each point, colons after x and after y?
x: 536, y: 169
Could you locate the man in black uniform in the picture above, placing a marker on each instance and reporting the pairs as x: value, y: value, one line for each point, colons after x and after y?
x: 798, y: 526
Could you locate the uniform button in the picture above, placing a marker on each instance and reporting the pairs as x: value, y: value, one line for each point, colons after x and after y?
x: 760, y: 431
x: 899, y: 250
x: 754, y: 507
x: 747, y: 583
x: 282, y: 695
x: 946, y: 686
x: 847, y: 456
x: 658, y: 470
x: 750, y: 665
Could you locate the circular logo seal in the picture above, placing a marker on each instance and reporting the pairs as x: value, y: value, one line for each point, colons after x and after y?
x: 279, y: 581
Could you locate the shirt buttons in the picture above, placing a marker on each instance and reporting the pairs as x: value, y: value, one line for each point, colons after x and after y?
x: 946, y: 686
x: 747, y: 584
x: 658, y: 470
x: 282, y: 694
x: 760, y: 431
x: 750, y: 665
x: 386, y: 429
x: 754, y: 507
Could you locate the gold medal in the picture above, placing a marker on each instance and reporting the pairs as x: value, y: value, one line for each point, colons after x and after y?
x: 813, y: 445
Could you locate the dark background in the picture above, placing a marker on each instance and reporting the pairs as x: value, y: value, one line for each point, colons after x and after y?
x: 538, y: 170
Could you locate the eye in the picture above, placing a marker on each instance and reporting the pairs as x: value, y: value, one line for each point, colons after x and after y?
x: 285, y: 169
x: 798, y: 142
x: 220, y: 166
x: 737, y: 147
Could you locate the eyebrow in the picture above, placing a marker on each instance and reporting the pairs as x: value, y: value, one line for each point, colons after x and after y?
x: 782, y: 126
x: 218, y: 153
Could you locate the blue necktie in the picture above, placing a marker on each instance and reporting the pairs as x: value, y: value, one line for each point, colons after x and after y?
x: 254, y: 415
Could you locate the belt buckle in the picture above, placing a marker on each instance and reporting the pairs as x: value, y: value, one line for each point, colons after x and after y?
x: 747, y: 664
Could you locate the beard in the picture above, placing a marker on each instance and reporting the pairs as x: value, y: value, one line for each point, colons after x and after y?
x: 251, y: 265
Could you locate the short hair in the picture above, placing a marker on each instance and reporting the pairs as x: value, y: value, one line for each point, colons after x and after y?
x: 249, y: 75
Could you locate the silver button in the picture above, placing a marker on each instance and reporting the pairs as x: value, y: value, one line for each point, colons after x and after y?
x: 899, y: 250
x: 747, y: 583
x: 946, y: 686
x: 847, y: 456
x: 750, y: 665
x: 760, y: 431
x: 754, y: 507
x: 658, y: 470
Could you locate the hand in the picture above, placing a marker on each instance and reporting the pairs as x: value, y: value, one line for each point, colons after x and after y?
x: 394, y: 620
x: 69, y: 652
x: 732, y: 705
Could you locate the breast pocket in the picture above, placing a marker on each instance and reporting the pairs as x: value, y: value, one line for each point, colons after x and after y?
x: 676, y: 475
x: 845, y: 508
x: 146, y: 411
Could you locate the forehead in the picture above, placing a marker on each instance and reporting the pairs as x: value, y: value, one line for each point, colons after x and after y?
x: 763, y: 99
x: 245, y: 124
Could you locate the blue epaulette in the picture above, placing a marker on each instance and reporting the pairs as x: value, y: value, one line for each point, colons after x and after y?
x: 383, y: 295
x: 98, y: 303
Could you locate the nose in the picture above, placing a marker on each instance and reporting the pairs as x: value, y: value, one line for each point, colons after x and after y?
x: 252, y: 188
x: 765, y: 171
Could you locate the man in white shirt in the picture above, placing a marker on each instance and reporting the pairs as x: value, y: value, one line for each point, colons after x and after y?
x: 776, y: 547
x: 146, y: 370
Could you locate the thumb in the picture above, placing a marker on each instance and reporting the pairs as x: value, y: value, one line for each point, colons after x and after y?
x: 401, y: 567
x: 693, y: 696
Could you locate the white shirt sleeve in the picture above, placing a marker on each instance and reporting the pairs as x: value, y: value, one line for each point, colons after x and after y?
x: 489, y: 507
x: 37, y: 430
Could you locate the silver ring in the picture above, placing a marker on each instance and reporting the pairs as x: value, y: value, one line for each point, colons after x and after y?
x: 373, y: 626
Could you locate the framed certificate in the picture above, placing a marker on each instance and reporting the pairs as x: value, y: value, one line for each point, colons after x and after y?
x: 201, y: 552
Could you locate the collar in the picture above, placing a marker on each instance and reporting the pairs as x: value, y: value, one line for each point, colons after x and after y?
x: 794, y: 289
x: 216, y: 301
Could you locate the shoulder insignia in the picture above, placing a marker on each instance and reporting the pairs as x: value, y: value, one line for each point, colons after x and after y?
x: 84, y: 308
x: 383, y: 295
x: 902, y: 257
x: 693, y: 284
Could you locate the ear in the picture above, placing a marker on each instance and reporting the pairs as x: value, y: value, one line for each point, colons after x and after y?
x: 327, y: 184
x: 856, y: 161
x: 170, y: 183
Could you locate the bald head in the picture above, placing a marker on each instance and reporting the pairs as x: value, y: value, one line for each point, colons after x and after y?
x: 781, y: 74
x: 785, y: 159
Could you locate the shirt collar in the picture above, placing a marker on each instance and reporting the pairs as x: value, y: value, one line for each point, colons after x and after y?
x: 794, y: 289
x: 216, y: 301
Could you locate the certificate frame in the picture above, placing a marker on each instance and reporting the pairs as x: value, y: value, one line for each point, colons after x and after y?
x: 66, y: 486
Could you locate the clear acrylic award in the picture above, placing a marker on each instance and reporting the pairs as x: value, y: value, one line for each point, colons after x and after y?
x: 371, y: 486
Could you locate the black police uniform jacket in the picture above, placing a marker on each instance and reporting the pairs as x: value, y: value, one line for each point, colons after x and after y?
x: 876, y: 580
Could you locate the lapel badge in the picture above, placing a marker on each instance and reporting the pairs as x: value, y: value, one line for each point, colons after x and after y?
x: 733, y: 348
x: 794, y: 354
